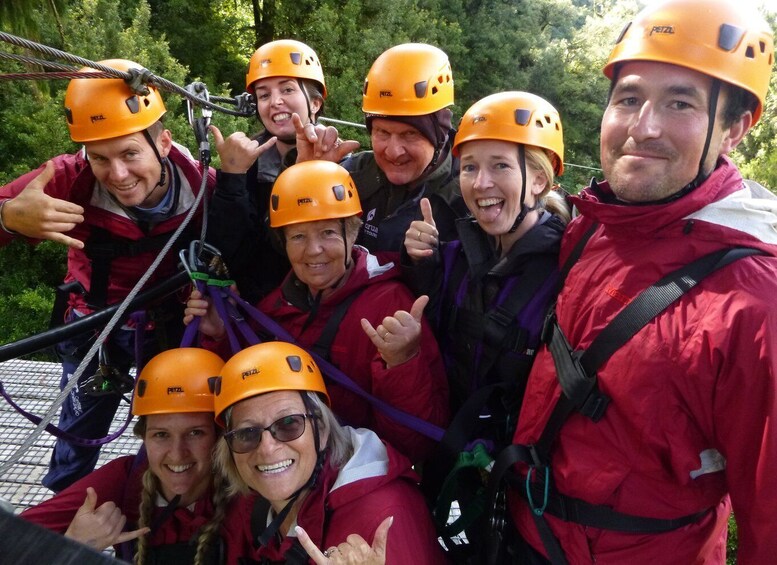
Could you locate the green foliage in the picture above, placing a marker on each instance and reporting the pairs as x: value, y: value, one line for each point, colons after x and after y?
x: 30, y: 275
x: 21, y: 17
x: 732, y: 542
x: 33, y: 129
x: 555, y: 48
x: 756, y: 156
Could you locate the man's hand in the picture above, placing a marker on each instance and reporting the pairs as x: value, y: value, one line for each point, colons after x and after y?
x: 422, y: 237
x: 315, y: 141
x: 35, y: 214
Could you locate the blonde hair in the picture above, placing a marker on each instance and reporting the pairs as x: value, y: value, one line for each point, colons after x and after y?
x: 541, y: 160
x: 151, y: 486
x: 338, y: 445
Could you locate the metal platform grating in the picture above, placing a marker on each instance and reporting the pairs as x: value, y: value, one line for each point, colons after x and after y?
x: 34, y: 385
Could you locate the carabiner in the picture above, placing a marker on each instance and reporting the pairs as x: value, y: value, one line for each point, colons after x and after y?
x: 541, y: 510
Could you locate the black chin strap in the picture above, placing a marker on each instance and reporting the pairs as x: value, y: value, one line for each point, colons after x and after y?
x: 166, y: 513
x: 272, y: 529
x: 345, y: 242
x: 712, y: 110
x: 293, y: 140
x: 162, y: 160
x: 701, y: 175
x: 524, y: 208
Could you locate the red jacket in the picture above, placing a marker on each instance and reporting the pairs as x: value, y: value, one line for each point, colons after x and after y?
x: 118, y: 482
x: 377, y: 482
x: 74, y: 181
x: 418, y: 386
x: 693, y: 416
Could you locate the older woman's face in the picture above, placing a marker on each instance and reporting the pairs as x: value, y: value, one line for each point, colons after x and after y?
x: 275, y: 469
x: 179, y: 448
x: 316, y: 251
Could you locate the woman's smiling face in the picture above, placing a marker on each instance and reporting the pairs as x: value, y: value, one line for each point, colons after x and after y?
x: 275, y: 469
x: 179, y: 448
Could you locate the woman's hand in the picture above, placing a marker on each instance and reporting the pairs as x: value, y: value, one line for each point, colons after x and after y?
x: 316, y: 141
x: 238, y: 151
x: 210, y: 324
x: 398, y: 337
x: 354, y: 550
x: 100, y: 527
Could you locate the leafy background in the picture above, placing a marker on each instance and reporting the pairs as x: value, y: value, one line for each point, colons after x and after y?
x: 555, y: 48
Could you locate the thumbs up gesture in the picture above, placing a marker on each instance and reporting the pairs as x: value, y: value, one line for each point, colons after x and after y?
x: 35, y: 214
x: 398, y: 337
x: 100, y: 526
x: 421, y: 238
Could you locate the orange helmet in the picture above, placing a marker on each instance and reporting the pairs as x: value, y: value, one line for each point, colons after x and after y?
x: 175, y: 381
x: 313, y: 190
x: 285, y: 58
x: 103, y: 108
x: 412, y: 79
x: 518, y: 117
x: 266, y: 367
x: 716, y: 37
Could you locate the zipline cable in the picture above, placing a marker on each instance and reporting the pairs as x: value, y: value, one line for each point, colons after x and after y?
x: 136, y: 78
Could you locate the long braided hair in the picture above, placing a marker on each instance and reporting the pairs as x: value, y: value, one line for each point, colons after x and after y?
x: 210, y: 531
x: 147, y: 504
x: 208, y: 534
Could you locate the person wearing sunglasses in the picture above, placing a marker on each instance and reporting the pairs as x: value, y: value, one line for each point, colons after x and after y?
x: 319, y: 482
x: 164, y: 504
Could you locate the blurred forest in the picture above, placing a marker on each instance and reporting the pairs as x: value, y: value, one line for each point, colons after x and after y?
x: 554, y: 48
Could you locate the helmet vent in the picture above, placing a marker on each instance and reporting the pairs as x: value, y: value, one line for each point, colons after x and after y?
x: 420, y: 88
x: 522, y: 116
x: 296, y: 58
x: 141, y: 388
x: 339, y: 191
x: 214, y: 385
x: 274, y: 201
x: 295, y: 363
x: 730, y: 36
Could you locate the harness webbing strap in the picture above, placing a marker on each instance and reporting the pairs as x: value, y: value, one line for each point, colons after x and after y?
x: 296, y: 554
x: 331, y: 371
x: 102, y: 248
x: 324, y: 344
x: 576, y: 373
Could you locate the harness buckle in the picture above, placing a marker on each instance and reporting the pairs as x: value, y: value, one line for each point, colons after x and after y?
x: 595, y: 405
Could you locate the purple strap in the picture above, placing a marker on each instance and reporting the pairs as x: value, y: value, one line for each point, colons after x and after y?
x: 62, y: 434
x: 413, y: 422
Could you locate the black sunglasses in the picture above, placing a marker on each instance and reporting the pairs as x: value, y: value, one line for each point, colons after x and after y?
x: 286, y: 428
